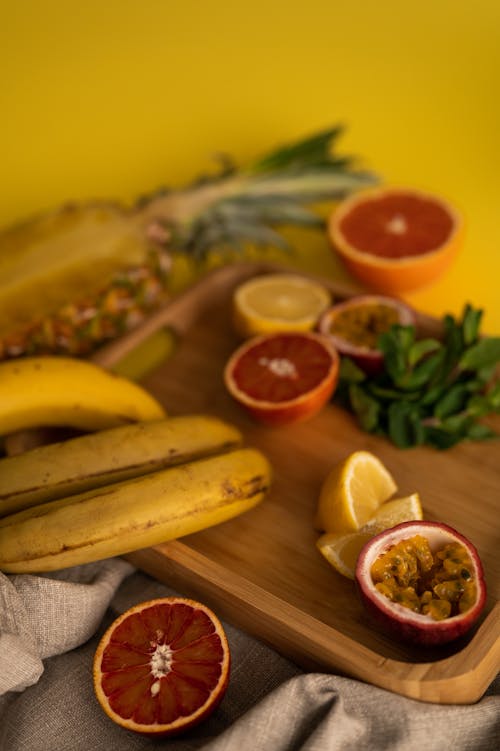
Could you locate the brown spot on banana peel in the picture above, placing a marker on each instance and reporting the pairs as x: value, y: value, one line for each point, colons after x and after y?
x: 75, y: 534
x: 25, y: 480
x: 171, y: 459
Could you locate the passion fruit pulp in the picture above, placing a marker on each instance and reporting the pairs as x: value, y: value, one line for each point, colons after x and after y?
x: 422, y: 582
x: 354, y: 325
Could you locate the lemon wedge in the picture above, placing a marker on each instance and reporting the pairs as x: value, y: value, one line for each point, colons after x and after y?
x: 278, y: 302
x: 341, y: 549
x: 352, y: 492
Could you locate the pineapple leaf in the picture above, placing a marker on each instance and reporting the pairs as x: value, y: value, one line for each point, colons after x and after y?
x: 247, y: 205
x: 314, y: 150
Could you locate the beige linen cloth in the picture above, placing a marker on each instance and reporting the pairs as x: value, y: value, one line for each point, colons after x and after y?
x: 49, y: 630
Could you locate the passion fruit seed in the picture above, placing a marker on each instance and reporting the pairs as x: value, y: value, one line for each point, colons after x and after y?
x: 362, y: 326
x: 440, y: 585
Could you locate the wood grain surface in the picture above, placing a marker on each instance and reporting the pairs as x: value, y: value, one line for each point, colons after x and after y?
x: 262, y: 570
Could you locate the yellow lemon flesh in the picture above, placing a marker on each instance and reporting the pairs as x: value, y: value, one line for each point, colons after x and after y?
x: 278, y: 302
x: 341, y: 549
x: 352, y: 492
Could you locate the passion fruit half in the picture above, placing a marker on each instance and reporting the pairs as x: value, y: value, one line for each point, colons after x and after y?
x: 354, y: 326
x: 421, y: 582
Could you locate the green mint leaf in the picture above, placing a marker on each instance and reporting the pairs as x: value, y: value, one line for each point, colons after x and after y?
x: 479, y: 405
x: 459, y: 423
x: 365, y: 408
x: 479, y: 432
x: 350, y: 372
x: 484, y: 354
x: 432, y: 395
x: 404, y: 425
x: 387, y: 393
x: 494, y: 397
x: 422, y: 373
x: 471, y: 321
x: 441, y: 439
x: 422, y: 348
x: 453, y: 400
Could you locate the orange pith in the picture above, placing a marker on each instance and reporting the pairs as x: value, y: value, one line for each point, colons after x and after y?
x: 395, y: 239
x: 162, y: 667
x: 281, y: 378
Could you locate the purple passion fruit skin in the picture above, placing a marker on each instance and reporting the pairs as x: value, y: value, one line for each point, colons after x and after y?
x: 399, y: 621
x: 354, y: 325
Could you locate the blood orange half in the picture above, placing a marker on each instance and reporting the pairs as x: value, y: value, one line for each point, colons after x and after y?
x: 395, y: 239
x: 162, y: 666
x: 283, y: 378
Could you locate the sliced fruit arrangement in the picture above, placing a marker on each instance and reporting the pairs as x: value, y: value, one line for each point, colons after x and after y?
x: 283, y: 378
x: 422, y: 582
x: 278, y: 302
x: 162, y: 667
x: 102, y: 457
x: 355, y: 326
x: 45, y: 390
x: 79, y: 276
x: 395, y: 239
x: 354, y: 506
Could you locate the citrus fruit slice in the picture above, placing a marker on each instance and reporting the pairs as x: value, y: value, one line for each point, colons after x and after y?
x: 341, y: 549
x: 278, y: 302
x: 354, y: 326
x: 162, y: 666
x: 352, y: 492
x: 394, y: 512
x: 395, y: 239
x: 283, y: 378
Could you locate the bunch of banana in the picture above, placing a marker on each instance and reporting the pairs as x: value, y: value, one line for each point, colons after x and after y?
x: 119, y: 518
x: 183, y: 475
x: 103, y: 457
x: 134, y: 479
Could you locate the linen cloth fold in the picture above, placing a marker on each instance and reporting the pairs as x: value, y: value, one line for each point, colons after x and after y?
x: 42, y: 616
x: 49, y: 630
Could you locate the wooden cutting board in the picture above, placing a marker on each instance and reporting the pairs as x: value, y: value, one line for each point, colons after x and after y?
x: 262, y: 571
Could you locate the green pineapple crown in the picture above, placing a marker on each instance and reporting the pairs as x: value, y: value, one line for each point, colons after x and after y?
x: 238, y: 206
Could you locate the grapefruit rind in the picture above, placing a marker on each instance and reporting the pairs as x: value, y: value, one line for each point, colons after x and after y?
x: 394, y: 275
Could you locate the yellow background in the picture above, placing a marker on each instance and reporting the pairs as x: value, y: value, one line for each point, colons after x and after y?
x: 112, y: 98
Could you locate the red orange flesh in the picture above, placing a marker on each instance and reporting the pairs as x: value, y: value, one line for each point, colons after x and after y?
x: 282, y: 378
x: 162, y: 667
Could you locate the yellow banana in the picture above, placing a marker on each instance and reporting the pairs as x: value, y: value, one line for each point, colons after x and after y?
x: 119, y: 518
x: 106, y: 456
x: 66, y: 391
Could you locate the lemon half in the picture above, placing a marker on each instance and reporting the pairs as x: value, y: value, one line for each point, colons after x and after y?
x: 278, y: 302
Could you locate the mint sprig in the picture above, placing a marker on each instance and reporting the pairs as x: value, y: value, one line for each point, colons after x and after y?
x: 431, y: 391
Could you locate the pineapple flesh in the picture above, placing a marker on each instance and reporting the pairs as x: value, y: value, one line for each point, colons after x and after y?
x: 77, y: 277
